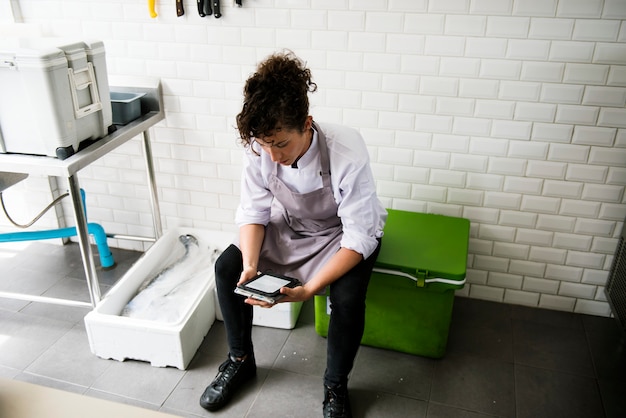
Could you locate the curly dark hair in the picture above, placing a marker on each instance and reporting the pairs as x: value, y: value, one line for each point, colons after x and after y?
x: 275, y: 97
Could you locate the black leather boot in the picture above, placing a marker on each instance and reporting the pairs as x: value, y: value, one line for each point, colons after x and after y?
x: 336, y: 402
x: 231, y: 376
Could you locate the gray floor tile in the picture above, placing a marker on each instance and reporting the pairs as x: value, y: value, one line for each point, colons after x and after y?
x: 475, y: 384
x: 547, y: 317
x: 27, y: 337
x: 608, y: 351
x: 12, y: 305
x: 51, y: 382
x: 56, y: 260
x: 121, y: 399
x: 69, y: 288
x: 214, y: 343
x: 371, y: 404
x: 138, y: 380
x: 70, y: 314
x: 481, y: 312
x: 8, y: 372
x: 28, y: 281
x: 286, y: 394
x: 268, y: 345
x: 613, y: 399
x: 600, y: 327
x: 487, y: 340
x: 550, y: 394
x: 124, y: 259
x: 444, y: 411
x: 384, y: 371
x: 304, y: 351
x: 552, y: 347
x: 481, y: 328
x: 70, y: 360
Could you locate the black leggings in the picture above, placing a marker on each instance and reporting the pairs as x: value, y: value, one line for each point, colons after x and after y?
x: 347, y: 319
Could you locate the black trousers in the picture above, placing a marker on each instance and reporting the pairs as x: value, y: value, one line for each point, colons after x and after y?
x: 347, y: 318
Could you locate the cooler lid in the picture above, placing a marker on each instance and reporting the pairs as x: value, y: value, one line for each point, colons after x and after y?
x: 29, y: 52
x: 426, y: 247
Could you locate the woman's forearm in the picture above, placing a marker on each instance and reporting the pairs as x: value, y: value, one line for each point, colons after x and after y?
x: 250, y: 241
x: 339, y: 264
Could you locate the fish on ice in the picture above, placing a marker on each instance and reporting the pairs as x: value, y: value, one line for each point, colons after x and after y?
x: 165, y: 297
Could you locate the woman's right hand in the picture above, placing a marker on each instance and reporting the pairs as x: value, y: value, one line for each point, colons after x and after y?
x: 247, y: 274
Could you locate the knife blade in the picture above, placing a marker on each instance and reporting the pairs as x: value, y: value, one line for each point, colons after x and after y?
x: 180, y: 10
x: 216, y: 9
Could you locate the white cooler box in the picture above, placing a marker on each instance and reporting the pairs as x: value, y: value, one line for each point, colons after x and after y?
x: 54, y: 95
x: 112, y: 336
x: 283, y: 315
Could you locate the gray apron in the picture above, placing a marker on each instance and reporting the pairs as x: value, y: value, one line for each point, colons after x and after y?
x: 304, y: 230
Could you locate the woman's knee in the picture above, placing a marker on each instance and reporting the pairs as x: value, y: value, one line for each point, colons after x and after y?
x: 347, y: 302
x: 228, y: 265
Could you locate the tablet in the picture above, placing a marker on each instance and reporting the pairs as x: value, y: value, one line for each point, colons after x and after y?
x: 266, y: 287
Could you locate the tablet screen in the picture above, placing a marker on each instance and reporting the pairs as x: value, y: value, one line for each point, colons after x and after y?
x: 267, y: 284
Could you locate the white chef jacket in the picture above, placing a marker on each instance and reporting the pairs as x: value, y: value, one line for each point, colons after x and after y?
x: 362, y: 214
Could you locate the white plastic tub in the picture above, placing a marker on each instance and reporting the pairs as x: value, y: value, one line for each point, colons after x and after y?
x: 283, y: 315
x: 112, y: 336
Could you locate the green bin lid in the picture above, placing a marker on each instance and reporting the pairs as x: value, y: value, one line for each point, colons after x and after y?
x: 425, y: 246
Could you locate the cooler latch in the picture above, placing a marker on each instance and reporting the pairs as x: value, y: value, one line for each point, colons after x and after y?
x: 80, y: 80
x: 420, y: 277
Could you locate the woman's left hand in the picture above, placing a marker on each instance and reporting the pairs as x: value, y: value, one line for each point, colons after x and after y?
x: 296, y: 294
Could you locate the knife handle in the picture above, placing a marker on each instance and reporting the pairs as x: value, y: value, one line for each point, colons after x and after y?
x: 151, y: 8
x: 216, y: 9
x: 201, y: 8
x: 180, y: 10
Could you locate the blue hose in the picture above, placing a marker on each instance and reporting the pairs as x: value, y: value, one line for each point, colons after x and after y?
x: 100, y: 237
x: 106, y: 258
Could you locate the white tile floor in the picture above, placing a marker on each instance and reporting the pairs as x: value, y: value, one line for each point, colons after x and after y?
x: 502, y: 360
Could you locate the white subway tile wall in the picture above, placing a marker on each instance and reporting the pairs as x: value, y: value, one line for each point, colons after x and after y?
x: 507, y: 112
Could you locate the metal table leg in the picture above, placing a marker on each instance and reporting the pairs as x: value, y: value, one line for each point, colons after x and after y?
x: 154, y: 198
x: 83, y: 239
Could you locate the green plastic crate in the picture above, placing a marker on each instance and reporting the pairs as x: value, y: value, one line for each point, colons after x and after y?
x: 422, y: 261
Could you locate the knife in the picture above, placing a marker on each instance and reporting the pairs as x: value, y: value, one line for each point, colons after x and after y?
x: 204, y: 7
x: 201, y: 8
x: 216, y: 9
x: 180, y: 10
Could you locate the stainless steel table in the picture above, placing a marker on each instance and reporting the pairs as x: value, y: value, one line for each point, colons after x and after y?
x: 152, y: 110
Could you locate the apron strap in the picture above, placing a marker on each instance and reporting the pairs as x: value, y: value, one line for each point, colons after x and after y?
x: 324, y: 160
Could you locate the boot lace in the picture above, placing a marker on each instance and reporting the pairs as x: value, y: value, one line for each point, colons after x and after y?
x: 336, y: 403
x: 227, y: 369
